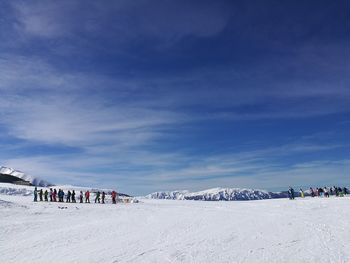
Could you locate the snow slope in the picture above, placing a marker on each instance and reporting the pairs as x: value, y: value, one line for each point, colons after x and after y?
x: 33, y: 180
x: 277, y: 230
x: 218, y: 194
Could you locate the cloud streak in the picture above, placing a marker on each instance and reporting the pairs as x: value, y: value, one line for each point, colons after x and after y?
x: 149, y: 95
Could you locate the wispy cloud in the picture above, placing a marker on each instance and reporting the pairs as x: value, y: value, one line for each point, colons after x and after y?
x: 124, y: 18
x: 154, y: 94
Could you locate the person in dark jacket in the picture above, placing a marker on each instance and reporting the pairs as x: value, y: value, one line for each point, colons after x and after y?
x: 103, y: 197
x: 320, y: 192
x: 61, y: 195
x: 51, y: 195
x: 73, y: 197
x: 45, y: 195
x: 291, y: 193
x: 345, y: 190
x: 312, y: 192
x: 68, y: 196
x: 81, y: 196
x: 35, y: 194
x: 41, y: 195
x: 336, y: 191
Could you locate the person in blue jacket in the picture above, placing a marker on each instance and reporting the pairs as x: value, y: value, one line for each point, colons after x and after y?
x: 291, y: 193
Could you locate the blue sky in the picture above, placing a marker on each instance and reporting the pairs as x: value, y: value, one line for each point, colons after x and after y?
x: 162, y: 95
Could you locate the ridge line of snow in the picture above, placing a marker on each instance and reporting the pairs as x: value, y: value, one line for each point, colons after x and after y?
x: 33, y: 180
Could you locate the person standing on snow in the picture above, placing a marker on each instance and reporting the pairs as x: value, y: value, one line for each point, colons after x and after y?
x: 325, y: 190
x: 114, y: 195
x: 103, y: 197
x: 45, y: 195
x: 41, y: 195
x: 51, y: 195
x: 87, y: 197
x: 54, y: 195
x: 97, y: 197
x: 302, y: 195
x: 312, y: 192
x: 35, y: 194
x: 291, y: 193
x: 345, y: 190
x: 62, y: 196
x: 73, y: 197
x: 321, y: 192
x: 81, y: 197
x: 59, y: 194
x: 69, y: 194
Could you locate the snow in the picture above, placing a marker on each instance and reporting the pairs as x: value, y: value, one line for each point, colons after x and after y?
x: 273, y: 230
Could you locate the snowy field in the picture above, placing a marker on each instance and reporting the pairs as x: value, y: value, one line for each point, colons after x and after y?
x: 279, y: 230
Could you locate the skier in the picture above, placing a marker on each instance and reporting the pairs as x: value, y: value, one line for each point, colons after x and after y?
x: 62, y: 196
x: 325, y: 190
x: 302, y: 195
x: 87, y: 197
x: 41, y: 195
x: 114, y: 195
x: 97, y: 197
x: 45, y: 195
x: 68, y: 196
x: 59, y: 194
x: 73, y: 197
x: 81, y: 196
x: 312, y: 192
x: 35, y: 194
x: 54, y: 195
x: 51, y: 195
x: 321, y: 192
x: 103, y: 197
x: 292, y: 193
x: 345, y: 190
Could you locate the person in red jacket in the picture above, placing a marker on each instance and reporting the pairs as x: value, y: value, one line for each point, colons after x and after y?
x: 87, y: 197
x: 114, y: 197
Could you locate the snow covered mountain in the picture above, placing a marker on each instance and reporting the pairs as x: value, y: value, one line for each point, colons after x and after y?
x: 32, y: 180
x: 218, y: 194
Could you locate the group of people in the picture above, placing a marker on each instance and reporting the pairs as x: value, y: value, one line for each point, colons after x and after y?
x: 58, y: 196
x: 326, y: 192
x: 320, y: 192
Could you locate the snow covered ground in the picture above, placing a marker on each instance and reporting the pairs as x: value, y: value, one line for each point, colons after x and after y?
x: 277, y: 230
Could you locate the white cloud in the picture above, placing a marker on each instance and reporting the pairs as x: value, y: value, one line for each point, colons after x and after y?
x: 129, y: 20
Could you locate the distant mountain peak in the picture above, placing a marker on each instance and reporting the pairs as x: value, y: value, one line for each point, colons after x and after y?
x: 217, y: 194
x: 25, y: 177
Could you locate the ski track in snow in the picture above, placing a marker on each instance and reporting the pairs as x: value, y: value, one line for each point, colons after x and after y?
x: 278, y: 230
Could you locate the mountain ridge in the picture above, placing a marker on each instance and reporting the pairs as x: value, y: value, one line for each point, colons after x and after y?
x: 25, y: 177
x: 218, y: 194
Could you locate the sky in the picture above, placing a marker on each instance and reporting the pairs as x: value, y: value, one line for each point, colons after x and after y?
x: 143, y: 96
